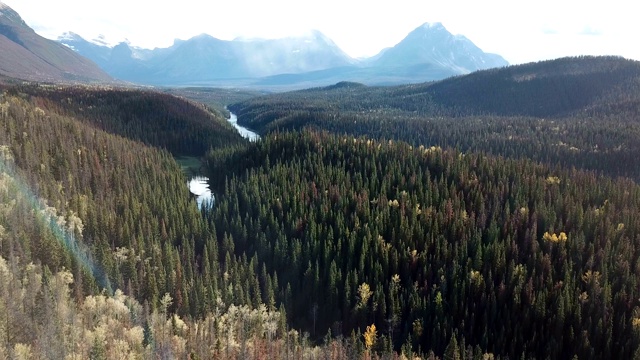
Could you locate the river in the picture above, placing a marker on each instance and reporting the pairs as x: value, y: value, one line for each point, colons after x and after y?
x: 199, y: 185
x: 246, y: 133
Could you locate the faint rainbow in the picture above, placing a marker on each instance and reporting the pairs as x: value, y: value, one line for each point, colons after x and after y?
x: 78, y: 250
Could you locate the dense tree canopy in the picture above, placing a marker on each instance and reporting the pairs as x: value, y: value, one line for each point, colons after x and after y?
x: 578, y: 112
x: 513, y: 257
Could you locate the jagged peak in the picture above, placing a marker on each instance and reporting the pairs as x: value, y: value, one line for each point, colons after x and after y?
x: 103, y: 41
x: 430, y: 28
x: 100, y: 40
x: 7, y: 12
x: 432, y: 25
x: 69, y: 35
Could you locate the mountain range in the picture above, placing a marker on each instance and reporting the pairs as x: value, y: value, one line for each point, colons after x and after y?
x: 430, y: 52
x: 205, y: 59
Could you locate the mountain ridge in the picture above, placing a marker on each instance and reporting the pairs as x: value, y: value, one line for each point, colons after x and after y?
x: 426, y: 43
x: 551, y: 88
x: 559, y: 100
x: 430, y: 52
x: 28, y: 56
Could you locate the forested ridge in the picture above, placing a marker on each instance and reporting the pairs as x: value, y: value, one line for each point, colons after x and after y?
x: 578, y: 112
x: 156, y: 119
x: 552, y: 88
x: 123, y: 200
x: 359, y: 226
x: 109, y: 212
x: 508, y: 256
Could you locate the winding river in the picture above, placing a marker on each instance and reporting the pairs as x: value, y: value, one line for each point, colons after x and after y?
x: 199, y: 185
x: 246, y: 133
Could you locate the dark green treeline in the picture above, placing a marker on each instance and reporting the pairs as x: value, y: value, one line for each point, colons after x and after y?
x: 430, y: 245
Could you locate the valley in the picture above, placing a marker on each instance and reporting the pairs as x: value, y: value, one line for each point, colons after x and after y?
x: 243, y: 131
x: 429, y: 202
x: 395, y: 209
x: 198, y: 184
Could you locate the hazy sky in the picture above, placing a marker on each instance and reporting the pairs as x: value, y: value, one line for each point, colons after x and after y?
x: 519, y: 31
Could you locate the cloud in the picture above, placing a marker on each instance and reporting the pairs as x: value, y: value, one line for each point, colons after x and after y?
x: 590, y: 31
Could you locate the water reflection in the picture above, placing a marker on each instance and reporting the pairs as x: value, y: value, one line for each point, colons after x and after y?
x: 199, y: 186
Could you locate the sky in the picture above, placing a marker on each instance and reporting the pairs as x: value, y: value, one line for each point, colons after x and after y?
x: 520, y: 31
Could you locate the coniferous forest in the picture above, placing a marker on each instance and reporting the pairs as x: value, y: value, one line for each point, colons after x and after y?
x: 492, y: 215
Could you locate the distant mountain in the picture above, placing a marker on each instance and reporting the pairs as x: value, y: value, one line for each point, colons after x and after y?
x: 431, y: 44
x: 599, y: 86
x: 206, y: 59
x: 581, y: 111
x: 120, y: 61
x: 428, y: 53
x: 28, y: 56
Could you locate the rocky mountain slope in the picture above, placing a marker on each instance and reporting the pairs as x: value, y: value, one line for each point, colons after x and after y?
x: 27, y: 55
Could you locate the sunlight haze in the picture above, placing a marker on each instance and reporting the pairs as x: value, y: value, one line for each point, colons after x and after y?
x: 520, y: 33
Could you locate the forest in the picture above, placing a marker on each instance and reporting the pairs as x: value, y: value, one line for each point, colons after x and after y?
x: 570, y: 112
x: 492, y: 215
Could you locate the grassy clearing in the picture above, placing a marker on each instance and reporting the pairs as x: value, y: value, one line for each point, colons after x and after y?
x: 191, y: 165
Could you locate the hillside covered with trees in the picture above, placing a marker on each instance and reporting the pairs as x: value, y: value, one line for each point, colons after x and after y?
x: 507, y: 256
x: 578, y: 112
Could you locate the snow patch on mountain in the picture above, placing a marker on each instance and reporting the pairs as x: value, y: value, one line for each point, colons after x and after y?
x: 432, y: 25
x: 99, y: 40
x: 102, y: 40
x: 69, y: 36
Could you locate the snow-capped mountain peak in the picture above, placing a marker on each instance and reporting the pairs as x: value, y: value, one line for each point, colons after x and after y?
x: 102, y: 40
x: 432, y: 43
x: 69, y: 35
x: 99, y: 40
x: 429, y: 52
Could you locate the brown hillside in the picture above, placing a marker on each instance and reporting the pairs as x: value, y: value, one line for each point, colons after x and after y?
x: 27, y: 55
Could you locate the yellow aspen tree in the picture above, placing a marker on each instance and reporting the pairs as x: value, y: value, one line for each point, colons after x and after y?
x: 364, y: 293
x: 370, y: 336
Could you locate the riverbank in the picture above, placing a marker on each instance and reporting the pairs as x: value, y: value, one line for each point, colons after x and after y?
x: 192, y: 166
x: 246, y: 133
